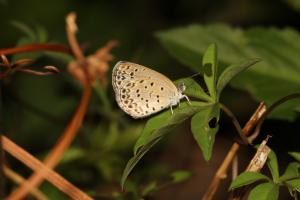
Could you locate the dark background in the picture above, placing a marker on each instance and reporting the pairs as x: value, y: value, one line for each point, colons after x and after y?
x: 35, y: 109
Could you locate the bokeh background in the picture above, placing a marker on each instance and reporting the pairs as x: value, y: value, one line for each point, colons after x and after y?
x: 35, y: 110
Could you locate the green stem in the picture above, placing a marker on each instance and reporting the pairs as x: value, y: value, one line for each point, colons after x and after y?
x: 271, y: 108
x: 235, y: 122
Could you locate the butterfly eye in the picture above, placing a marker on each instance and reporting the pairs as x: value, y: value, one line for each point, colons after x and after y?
x: 181, y: 87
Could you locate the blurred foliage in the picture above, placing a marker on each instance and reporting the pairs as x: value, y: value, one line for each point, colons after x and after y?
x: 269, y: 189
x: 36, y: 109
x: 295, y: 4
x: 204, y: 115
x: 275, y: 77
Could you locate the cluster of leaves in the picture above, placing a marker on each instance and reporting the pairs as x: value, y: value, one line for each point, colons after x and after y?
x: 275, y: 77
x: 136, y: 191
x: 269, y: 188
x: 102, y: 145
x: 205, y: 111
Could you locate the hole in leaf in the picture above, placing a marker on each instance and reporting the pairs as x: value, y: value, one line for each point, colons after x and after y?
x: 212, y: 123
x: 207, y: 68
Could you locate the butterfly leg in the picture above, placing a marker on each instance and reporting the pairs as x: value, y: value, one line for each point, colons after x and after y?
x: 186, y: 97
x: 171, y: 109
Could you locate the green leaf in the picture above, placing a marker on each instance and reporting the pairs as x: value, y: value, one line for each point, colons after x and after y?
x: 273, y: 166
x: 264, y: 191
x: 294, y: 184
x: 193, y: 89
x: 209, y: 65
x: 204, y: 128
x: 247, y: 178
x: 275, y: 77
x: 28, y: 31
x: 163, y: 122
x: 180, y: 176
x: 156, y: 128
x: 38, y: 34
x: 136, y: 158
x: 150, y: 188
x: 41, y: 34
x: 230, y: 72
x: 295, y: 4
x: 291, y: 172
x: 72, y: 154
x: 295, y: 155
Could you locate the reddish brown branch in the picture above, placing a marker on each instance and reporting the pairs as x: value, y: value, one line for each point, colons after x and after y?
x: 71, y: 29
x: 256, y: 164
x: 67, y: 137
x: 56, y: 153
x: 33, y: 163
x: 18, y: 179
x: 36, y: 47
x: 222, y: 171
x: 2, y: 180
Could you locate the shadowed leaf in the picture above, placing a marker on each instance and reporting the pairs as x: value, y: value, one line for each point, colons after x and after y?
x: 247, y: 178
x: 204, y: 128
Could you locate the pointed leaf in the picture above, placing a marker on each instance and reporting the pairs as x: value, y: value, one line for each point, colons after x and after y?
x: 230, y: 72
x: 295, y: 155
x: 136, y: 158
x: 204, y: 128
x: 193, y: 89
x: 180, y: 176
x: 156, y: 128
x: 209, y: 65
x: 291, y: 172
x: 273, y: 166
x: 294, y: 184
x: 264, y: 191
x: 150, y: 188
x: 275, y: 77
x: 247, y: 178
x: 163, y: 122
x: 30, y: 33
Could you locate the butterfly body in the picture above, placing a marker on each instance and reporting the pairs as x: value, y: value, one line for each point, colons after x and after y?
x: 141, y: 91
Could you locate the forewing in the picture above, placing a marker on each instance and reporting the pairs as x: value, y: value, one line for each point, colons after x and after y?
x: 141, y: 91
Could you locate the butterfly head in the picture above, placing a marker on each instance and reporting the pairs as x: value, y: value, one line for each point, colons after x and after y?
x: 181, y: 87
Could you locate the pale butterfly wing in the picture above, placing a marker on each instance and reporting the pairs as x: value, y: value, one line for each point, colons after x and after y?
x: 141, y: 91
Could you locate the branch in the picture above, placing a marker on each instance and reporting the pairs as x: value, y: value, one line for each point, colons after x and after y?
x: 36, y: 47
x: 235, y: 123
x: 71, y: 29
x: 57, y: 151
x: 18, y: 179
x: 2, y: 180
x: 255, y: 165
x: 270, y: 109
x: 33, y: 163
x: 221, y: 172
x: 69, y: 134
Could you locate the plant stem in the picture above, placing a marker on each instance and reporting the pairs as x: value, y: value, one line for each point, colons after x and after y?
x: 18, y: 179
x: 221, y: 172
x: 36, y: 47
x: 33, y: 163
x: 235, y: 122
x: 269, y: 110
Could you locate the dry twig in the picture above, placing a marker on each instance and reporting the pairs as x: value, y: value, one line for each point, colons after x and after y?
x: 222, y: 170
x: 33, y: 163
x: 18, y: 179
x: 63, y: 143
x: 35, y: 47
x: 255, y: 165
x: 65, y: 140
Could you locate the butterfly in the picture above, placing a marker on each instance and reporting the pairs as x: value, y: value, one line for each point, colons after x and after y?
x: 141, y: 91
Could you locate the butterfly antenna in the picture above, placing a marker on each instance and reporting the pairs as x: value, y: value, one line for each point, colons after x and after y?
x: 194, y: 75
